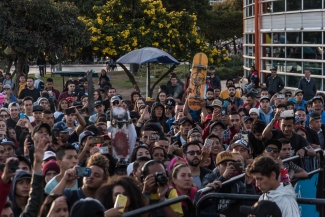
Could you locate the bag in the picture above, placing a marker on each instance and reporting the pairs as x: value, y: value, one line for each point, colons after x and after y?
x: 40, y: 86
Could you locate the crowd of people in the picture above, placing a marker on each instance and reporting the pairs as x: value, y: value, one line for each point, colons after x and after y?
x: 52, y: 158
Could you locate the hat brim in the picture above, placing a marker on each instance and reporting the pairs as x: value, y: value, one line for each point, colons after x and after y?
x: 8, y: 143
x: 249, y: 119
x: 50, y: 157
x: 238, y: 144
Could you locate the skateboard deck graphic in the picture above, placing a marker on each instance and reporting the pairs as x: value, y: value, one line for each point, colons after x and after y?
x: 197, y: 81
x: 120, y: 135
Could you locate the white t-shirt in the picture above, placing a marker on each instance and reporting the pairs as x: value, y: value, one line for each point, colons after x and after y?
x: 53, y: 183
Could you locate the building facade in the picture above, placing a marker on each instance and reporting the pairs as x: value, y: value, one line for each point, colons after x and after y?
x: 288, y: 35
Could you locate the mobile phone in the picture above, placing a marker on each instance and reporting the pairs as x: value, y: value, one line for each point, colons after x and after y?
x: 55, y: 133
x: 69, y: 111
x: 103, y: 150
x: 280, y: 96
x: 83, y: 171
x: 21, y: 115
x: 238, y: 166
x: 97, y: 139
x: 31, y: 143
x: 208, y: 142
x: 287, y: 114
x: 154, y: 136
x: 13, y: 165
x: 224, y: 110
x: 225, y: 103
x: 120, y: 202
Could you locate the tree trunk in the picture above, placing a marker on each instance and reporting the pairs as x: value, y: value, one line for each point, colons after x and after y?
x: 128, y: 73
x: 235, y: 49
x: 151, y: 89
x: 19, y: 70
x: 9, y: 62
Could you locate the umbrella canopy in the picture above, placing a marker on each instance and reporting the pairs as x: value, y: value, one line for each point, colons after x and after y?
x: 147, y: 55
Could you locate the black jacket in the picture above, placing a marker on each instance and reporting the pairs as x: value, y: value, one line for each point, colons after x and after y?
x: 274, y: 85
x: 162, y: 121
x: 309, y: 88
x: 203, y: 172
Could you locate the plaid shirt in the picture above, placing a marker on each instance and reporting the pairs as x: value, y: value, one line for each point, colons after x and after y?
x: 226, y: 135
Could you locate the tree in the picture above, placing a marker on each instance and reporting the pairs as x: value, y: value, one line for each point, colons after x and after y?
x: 225, y: 21
x: 32, y: 27
x: 123, y: 25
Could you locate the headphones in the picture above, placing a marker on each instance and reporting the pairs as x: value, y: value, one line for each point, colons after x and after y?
x: 144, y: 168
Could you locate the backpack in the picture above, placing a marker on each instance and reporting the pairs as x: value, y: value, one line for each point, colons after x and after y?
x: 40, y: 86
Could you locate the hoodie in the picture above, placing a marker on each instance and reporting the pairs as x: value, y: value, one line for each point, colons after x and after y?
x: 267, y: 118
x: 162, y: 121
x: 19, y: 176
x: 285, y: 198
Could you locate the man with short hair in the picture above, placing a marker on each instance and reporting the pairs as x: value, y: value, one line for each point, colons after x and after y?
x: 22, y: 83
x: 266, y: 172
x: 252, y: 79
x: 8, y: 146
x: 185, y: 124
x: 99, y: 174
x: 265, y: 110
x: 301, y: 103
x: 209, y: 96
x: 192, y: 153
x: 251, y: 101
x: 8, y: 94
x: 317, y: 105
x: 176, y: 90
x: 13, y: 110
x: 215, y: 80
x: 316, y: 125
x: 49, y: 87
x: 256, y: 139
x: 274, y: 83
x: 194, y: 134
x: 44, y: 102
x: 216, y: 93
x: 29, y: 91
x: 67, y: 158
x: 28, y: 107
x: 225, y: 94
x: 264, y: 92
x: 69, y: 93
x: 48, y: 117
x: 178, y: 108
x: 99, y: 108
x: 238, y: 102
x: 308, y: 85
x: 7, y: 210
x: 111, y: 92
x: 37, y: 114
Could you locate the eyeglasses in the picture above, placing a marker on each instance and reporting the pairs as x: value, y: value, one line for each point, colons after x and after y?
x: 195, y: 136
x: 288, y: 95
x: 269, y: 149
x: 198, y: 152
x: 4, y: 116
x: 116, y: 102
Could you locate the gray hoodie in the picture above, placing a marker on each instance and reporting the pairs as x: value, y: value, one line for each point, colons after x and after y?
x: 285, y: 198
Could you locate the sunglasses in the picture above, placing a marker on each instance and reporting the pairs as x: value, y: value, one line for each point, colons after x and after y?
x: 269, y: 149
x: 198, y: 152
x: 288, y: 95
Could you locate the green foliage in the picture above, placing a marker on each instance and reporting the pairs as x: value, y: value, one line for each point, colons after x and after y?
x: 31, y: 27
x: 229, y: 72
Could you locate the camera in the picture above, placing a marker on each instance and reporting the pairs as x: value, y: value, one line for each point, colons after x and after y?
x: 13, y: 165
x: 161, y: 178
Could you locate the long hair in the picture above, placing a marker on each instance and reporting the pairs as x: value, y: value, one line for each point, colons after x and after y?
x: 59, y: 105
x: 130, y: 185
x: 45, y: 208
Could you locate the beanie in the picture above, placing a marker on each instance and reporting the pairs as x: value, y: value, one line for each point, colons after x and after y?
x: 51, y: 165
x: 254, y: 110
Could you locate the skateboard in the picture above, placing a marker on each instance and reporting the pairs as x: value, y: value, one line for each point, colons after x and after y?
x: 120, y: 135
x: 197, y: 81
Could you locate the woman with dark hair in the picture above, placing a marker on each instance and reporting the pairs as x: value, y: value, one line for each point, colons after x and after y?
x: 97, y: 95
x: 140, y: 151
x: 62, y: 106
x: 158, y: 153
x: 21, y: 141
x: 55, y: 205
x: 103, y: 79
x: 243, y: 112
x: 11, y: 133
x: 135, y: 95
x: 124, y: 185
x: 161, y: 97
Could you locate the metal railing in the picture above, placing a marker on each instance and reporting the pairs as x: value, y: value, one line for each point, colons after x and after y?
x: 169, y: 202
x: 250, y: 198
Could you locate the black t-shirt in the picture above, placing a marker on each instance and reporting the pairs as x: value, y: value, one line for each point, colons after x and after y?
x: 257, y: 146
x: 35, y: 94
x: 297, y: 141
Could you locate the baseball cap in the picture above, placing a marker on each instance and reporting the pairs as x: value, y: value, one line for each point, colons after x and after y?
x: 134, y: 114
x: 84, y: 134
x: 273, y: 142
x: 61, y: 126
x: 193, y: 130
x: 77, y: 104
x: 298, y: 91
x: 49, y: 155
x: 170, y: 102
x: 314, y: 116
x: 274, y: 69
x: 184, y: 119
x: 242, y: 143
x: 293, y: 100
x: 82, y: 208
x: 217, y: 123
x: 317, y: 98
x: 297, y: 119
x: 224, y: 156
x: 13, y: 104
x: 22, y: 174
x: 38, y: 108
x: 6, y: 86
x: 247, y: 118
x: 216, y: 103
x: 175, y: 123
x: 207, y: 118
x: 264, y: 97
x: 7, y: 141
x: 262, y: 208
x: 115, y: 98
x: 38, y: 127
x: 98, y: 102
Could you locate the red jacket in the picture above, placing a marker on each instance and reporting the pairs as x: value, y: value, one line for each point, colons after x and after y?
x: 4, y: 193
x: 206, y: 133
x: 256, y: 106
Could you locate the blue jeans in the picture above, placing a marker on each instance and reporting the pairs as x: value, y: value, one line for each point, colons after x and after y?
x: 249, y: 87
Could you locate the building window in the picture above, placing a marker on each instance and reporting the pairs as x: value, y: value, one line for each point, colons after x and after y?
x: 312, y: 4
x: 293, y: 38
x: 294, y: 5
x: 312, y: 38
